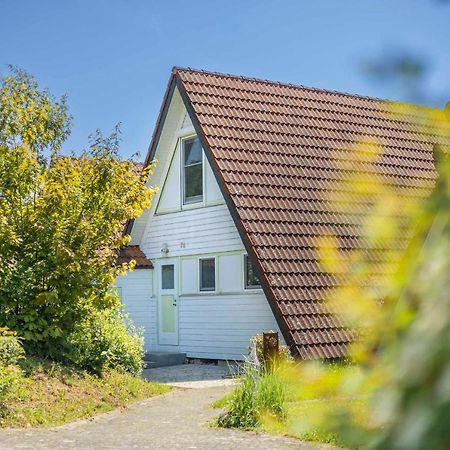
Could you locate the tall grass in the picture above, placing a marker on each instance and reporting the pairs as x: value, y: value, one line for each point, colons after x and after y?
x: 260, y: 393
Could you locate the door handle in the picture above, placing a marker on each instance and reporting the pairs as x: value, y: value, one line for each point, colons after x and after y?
x: 174, y: 302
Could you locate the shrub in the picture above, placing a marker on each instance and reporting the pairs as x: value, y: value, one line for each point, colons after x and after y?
x: 11, y: 350
x: 284, y: 354
x: 107, y: 340
x: 10, y: 377
x: 260, y: 393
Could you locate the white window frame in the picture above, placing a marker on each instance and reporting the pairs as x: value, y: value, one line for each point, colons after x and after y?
x: 200, y: 274
x: 248, y: 287
x: 198, y: 199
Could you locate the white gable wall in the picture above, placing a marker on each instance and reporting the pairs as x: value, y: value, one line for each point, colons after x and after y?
x: 210, y: 325
x: 191, y: 232
x: 167, y: 143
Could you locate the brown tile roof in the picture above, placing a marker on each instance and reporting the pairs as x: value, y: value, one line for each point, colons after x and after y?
x: 278, y: 151
x: 133, y: 252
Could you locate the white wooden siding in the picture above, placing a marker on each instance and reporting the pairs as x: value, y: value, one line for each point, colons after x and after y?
x: 140, y: 303
x: 213, y: 194
x: 231, y: 273
x: 166, y: 146
x: 189, y: 276
x: 221, y: 326
x: 187, y: 123
x: 191, y: 232
x: 170, y: 196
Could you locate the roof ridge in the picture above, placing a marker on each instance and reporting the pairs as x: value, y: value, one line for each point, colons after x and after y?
x: 176, y: 69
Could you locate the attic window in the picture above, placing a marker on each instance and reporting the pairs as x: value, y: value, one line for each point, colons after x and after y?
x: 192, y: 171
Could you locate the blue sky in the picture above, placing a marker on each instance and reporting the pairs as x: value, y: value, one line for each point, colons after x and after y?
x: 113, y: 57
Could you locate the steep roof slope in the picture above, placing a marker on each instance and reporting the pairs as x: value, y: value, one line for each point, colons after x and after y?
x: 279, y: 151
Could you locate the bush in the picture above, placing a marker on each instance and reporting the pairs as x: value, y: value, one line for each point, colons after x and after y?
x: 261, y: 393
x: 11, y: 350
x: 107, y: 340
x: 10, y: 377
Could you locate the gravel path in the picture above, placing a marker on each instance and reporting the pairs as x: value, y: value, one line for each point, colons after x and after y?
x: 177, y: 420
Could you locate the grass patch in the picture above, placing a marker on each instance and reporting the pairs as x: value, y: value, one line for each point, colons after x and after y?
x: 277, y: 402
x: 222, y: 402
x: 305, y: 419
x: 51, y: 394
x: 260, y: 392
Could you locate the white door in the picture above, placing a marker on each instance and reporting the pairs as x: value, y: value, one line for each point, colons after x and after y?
x: 168, y: 298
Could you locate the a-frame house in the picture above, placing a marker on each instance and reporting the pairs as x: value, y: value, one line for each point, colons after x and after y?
x: 245, y: 169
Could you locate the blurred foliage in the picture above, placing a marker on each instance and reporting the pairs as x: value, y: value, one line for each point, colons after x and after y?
x: 402, y: 73
x: 407, y: 66
x: 61, y: 218
x: 399, y: 308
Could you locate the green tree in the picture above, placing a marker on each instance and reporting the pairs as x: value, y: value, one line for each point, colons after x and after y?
x: 61, y: 217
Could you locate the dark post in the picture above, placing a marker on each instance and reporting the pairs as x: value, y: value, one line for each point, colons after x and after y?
x: 270, y: 347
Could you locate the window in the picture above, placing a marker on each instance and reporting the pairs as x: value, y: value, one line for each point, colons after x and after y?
x: 207, y: 274
x: 192, y: 171
x: 167, y: 276
x: 250, y: 276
